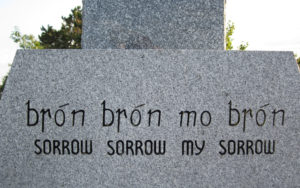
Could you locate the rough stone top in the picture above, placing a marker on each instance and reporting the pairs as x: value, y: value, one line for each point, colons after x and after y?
x: 144, y: 24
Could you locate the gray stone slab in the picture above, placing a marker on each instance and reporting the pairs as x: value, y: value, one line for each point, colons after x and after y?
x: 137, y: 81
x: 143, y: 24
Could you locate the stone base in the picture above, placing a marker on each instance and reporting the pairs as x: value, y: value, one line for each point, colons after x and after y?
x: 150, y: 118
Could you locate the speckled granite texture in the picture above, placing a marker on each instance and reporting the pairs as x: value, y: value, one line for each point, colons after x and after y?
x: 57, y: 82
x: 155, y: 24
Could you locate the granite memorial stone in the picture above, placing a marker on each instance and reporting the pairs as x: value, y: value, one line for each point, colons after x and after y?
x: 150, y: 117
x: 143, y: 24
